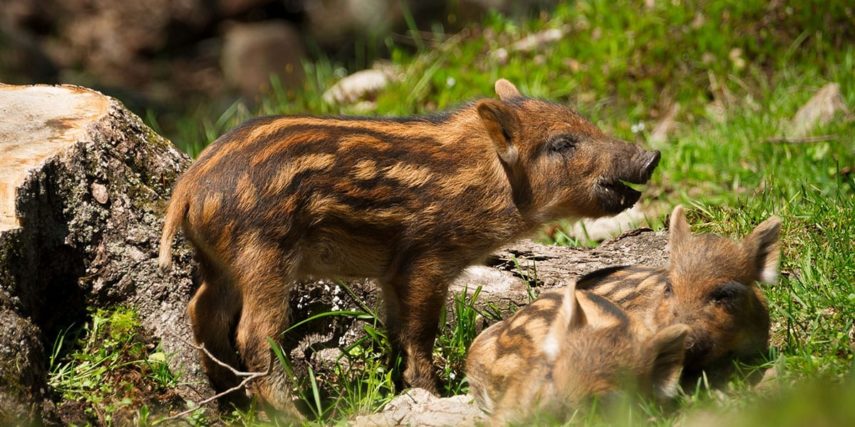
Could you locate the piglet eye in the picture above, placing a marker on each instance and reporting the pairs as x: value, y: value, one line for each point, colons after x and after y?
x: 668, y: 289
x: 727, y: 292
x: 563, y: 143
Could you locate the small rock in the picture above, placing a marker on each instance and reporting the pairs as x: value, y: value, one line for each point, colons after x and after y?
x: 493, y: 282
x: 254, y: 52
x: 361, y: 85
x: 665, y: 126
x: 819, y: 110
x: 99, y: 192
x: 530, y: 43
x: 501, y: 55
x: 136, y: 254
x: 736, y: 58
x: 769, y: 380
x: 410, y: 398
x: 573, y: 65
x: 608, y: 227
x: 418, y: 407
x: 539, y: 40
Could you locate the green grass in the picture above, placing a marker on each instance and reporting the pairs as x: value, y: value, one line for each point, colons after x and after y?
x: 455, y: 336
x: 361, y: 380
x: 108, y: 373
x: 739, y: 70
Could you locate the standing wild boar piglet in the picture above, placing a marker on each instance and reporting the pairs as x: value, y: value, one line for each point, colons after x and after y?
x: 710, y: 285
x: 408, y: 201
x: 567, y: 347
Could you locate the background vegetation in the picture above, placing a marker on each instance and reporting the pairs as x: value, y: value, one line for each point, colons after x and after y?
x: 739, y: 71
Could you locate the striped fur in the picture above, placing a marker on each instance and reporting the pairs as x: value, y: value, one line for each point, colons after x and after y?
x: 710, y: 285
x: 564, y: 348
x: 409, y: 201
x: 699, y: 314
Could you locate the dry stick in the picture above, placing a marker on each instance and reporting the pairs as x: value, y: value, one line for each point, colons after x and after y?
x: 802, y: 140
x: 248, y: 376
x: 252, y: 376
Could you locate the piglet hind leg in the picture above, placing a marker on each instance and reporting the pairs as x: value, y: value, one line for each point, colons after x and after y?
x: 414, y: 299
x: 213, y: 312
x: 265, y: 316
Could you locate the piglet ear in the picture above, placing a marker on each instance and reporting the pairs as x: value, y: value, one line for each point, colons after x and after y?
x: 763, y: 246
x: 570, y: 316
x: 571, y: 310
x: 500, y: 120
x: 506, y: 90
x: 668, y: 348
x: 678, y: 229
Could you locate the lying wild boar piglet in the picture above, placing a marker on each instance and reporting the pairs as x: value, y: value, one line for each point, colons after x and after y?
x: 408, y: 201
x: 567, y: 347
x: 710, y: 285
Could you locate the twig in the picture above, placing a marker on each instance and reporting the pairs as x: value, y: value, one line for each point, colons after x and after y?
x: 427, y: 36
x: 199, y: 404
x: 801, y: 140
x: 247, y: 377
x: 217, y: 361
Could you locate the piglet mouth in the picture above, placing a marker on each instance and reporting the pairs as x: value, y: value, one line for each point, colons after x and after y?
x: 620, y: 191
x: 698, y: 349
x: 617, y: 196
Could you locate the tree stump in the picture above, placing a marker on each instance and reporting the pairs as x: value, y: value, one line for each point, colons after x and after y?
x: 83, y: 183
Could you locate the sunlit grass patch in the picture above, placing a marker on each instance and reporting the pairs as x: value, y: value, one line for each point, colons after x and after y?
x: 108, y: 372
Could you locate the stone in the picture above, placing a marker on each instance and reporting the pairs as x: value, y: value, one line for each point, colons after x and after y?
x: 819, y: 110
x: 665, y: 127
x: 599, y: 229
x: 361, y: 84
x: 418, y: 407
x: 531, y: 43
x: 539, y: 40
x: 99, y: 192
x: 254, y: 52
